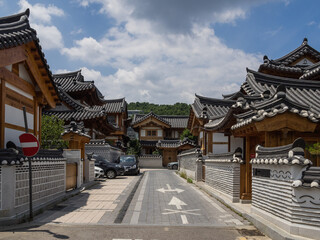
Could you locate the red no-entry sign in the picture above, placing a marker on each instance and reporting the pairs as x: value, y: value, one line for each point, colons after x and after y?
x: 30, y: 144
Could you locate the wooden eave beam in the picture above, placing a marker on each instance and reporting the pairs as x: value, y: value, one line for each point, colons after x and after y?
x: 12, y: 55
x: 286, y: 120
x: 17, y: 81
x: 33, y: 67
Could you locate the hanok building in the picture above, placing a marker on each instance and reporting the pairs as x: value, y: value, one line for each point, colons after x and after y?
x: 161, y: 132
x: 273, y: 110
x: 82, y: 101
x: 25, y: 78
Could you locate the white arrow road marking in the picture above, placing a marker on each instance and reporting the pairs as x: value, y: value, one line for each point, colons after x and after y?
x: 177, y: 202
x: 190, y: 212
x: 178, y: 190
x: 184, y: 219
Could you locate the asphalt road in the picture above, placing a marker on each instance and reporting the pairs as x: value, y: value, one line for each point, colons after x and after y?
x: 156, y: 205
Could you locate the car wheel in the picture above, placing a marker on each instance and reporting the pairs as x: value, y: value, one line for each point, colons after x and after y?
x: 175, y: 167
x: 137, y: 173
x: 111, y: 174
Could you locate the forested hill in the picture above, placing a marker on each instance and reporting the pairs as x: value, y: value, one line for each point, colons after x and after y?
x: 161, y: 109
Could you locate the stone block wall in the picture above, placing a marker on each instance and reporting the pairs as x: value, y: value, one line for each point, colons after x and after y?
x: 48, y: 183
x: 150, y: 161
x: 294, y: 209
x: 188, y: 162
x: 224, y: 177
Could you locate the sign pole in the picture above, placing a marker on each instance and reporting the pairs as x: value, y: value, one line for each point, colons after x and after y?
x: 30, y: 168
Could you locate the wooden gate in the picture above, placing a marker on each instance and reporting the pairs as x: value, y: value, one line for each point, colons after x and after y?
x: 203, y: 172
x: 71, y: 176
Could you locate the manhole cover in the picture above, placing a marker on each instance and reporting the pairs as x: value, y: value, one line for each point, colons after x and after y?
x: 250, y: 232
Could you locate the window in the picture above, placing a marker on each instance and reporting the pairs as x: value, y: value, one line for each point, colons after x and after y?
x: 151, y: 133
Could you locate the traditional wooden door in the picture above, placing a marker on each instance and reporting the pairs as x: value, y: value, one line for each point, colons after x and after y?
x: 246, y: 169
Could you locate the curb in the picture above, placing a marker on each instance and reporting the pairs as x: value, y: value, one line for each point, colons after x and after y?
x: 268, y: 228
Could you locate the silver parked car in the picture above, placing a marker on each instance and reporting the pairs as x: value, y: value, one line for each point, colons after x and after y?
x: 173, y: 165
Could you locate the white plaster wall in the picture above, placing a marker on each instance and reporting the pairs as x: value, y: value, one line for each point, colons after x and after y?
x: 143, y: 133
x: 159, y: 133
x: 219, y: 148
x: 9, y: 67
x: 27, y: 95
x: 23, y: 73
x: 235, y: 143
x: 12, y: 135
x: 15, y: 116
x: 219, y: 137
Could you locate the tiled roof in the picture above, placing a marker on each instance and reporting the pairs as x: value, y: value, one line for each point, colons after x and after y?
x: 175, y: 143
x: 113, y: 106
x: 277, y: 104
x: 15, y: 31
x: 303, y: 92
x: 138, y: 118
x: 15, y: 157
x: 310, y: 178
x: 288, y: 154
x: 176, y: 121
x: 214, y: 108
x: 231, y: 157
x: 302, y: 50
x: 172, y: 121
x: 283, y: 64
x: 145, y: 143
x: 72, y: 82
x: 75, y: 127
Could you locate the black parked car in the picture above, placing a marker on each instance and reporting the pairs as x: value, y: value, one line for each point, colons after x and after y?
x: 111, y: 170
x: 130, y: 163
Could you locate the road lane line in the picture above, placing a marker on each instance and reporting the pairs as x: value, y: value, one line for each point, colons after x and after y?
x: 184, y: 219
x: 137, y: 209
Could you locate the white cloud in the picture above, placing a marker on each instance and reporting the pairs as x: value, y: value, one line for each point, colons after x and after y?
x: 50, y: 37
x: 160, y: 63
x: 41, y: 20
x: 76, y: 32
x: 41, y: 13
x: 163, y: 68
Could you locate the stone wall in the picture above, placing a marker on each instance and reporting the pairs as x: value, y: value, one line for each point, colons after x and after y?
x: 223, y: 173
x: 225, y: 178
x: 103, y: 149
x: 150, y: 161
x: 188, y: 162
x: 48, y: 185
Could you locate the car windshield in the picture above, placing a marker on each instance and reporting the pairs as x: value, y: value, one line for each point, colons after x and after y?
x: 124, y: 159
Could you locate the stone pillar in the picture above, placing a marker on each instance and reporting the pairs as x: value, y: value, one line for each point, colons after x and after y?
x: 7, y: 191
x: 199, y: 163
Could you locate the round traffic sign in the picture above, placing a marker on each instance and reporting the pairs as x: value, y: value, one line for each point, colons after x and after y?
x: 30, y: 144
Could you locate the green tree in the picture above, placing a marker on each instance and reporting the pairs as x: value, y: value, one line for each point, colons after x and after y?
x: 160, y: 109
x: 134, y: 147
x: 314, y: 149
x: 187, y: 134
x: 51, y: 129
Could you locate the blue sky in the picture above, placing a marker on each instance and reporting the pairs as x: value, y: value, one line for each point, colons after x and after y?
x: 166, y: 51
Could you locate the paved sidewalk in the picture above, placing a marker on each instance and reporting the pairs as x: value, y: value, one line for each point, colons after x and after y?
x: 97, y: 205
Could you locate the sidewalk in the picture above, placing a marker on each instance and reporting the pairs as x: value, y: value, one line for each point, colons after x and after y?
x: 264, y: 226
x: 97, y: 205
